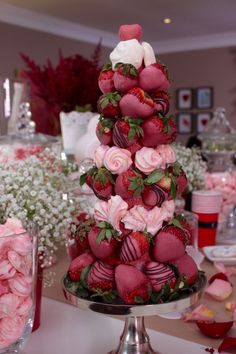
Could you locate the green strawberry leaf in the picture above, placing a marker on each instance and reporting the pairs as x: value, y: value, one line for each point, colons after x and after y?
x: 177, y: 223
x: 131, y: 133
x: 82, y: 179
x: 84, y: 275
x: 107, y: 67
x: 154, y: 177
x: 101, y: 236
x: 173, y: 188
x: 138, y: 300
x: 133, y: 72
x: 104, y: 102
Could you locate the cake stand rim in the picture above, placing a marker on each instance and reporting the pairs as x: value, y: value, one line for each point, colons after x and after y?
x: 136, y: 310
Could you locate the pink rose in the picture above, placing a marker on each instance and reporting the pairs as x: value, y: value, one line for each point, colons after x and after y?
x: 21, y: 263
x: 21, y: 285
x: 24, y: 307
x: 11, y: 328
x: 111, y: 211
x: 148, y: 160
x: 7, y: 270
x: 117, y: 160
x: 99, y: 154
x: 22, y: 244
x: 8, y: 305
x: 167, y: 154
x: 139, y: 218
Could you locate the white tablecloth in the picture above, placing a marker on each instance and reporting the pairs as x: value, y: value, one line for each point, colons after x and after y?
x: 68, y: 330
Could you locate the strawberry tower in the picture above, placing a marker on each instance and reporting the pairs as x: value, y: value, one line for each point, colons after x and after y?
x: 135, y: 249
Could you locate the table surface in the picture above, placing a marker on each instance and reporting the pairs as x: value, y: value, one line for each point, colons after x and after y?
x: 172, y: 327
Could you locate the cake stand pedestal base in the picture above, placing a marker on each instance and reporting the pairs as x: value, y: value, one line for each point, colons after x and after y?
x: 134, y: 339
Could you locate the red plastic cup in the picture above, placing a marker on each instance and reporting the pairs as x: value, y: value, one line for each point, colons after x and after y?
x: 206, y: 205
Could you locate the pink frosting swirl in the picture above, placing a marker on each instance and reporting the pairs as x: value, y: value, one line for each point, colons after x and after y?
x: 99, y: 154
x: 147, y: 160
x: 117, y: 160
x: 168, y: 209
x: 167, y: 154
x: 111, y: 211
x: 21, y: 285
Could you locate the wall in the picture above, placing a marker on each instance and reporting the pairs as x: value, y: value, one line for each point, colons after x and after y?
x: 213, y: 67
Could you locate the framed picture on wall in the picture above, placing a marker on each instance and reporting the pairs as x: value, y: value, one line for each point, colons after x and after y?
x: 184, y: 121
x: 184, y: 98
x: 204, y: 97
x: 202, y: 120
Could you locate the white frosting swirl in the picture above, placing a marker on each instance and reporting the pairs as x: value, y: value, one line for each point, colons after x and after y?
x: 128, y: 52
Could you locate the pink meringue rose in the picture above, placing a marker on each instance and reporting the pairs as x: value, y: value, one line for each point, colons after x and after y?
x: 7, y: 270
x: 21, y: 263
x: 139, y: 218
x: 11, y: 328
x: 21, y: 285
x: 25, y: 307
x: 8, y: 305
x: 99, y: 154
x: 147, y: 160
x: 111, y: 211
x: 117, y: 160
x: 167, y: 153
x: 22, y: 244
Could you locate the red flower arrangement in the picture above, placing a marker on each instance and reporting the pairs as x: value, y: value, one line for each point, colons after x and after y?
x: 71, y: 85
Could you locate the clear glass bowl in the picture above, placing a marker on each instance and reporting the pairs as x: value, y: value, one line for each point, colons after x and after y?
x: 17, y: 285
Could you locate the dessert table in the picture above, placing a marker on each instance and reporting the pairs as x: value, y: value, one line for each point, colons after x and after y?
x: 65, y: 328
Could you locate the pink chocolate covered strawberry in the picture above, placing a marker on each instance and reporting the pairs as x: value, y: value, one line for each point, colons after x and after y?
x: 104, y: 130
x: 105, y: 79
x: 137, y: 104
x: 101, y: 277
x: 161, y: 99
x: 129, y: 184
x: 125, y: 77
x: 154, y: 77
x: 132, y: 285
x: 159, y: 275
x: 170, y: 242
x: 108, y: 104
x: 158, y: 130
x: 78, y: 264
x: 134, y: 246
x: 127, y: 131
x: 133, y: 31
x: 103, y: 240
x: 186, y: 267
x: 154, y: 195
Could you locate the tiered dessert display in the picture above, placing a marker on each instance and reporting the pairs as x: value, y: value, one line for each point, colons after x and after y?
x: 131, y: 256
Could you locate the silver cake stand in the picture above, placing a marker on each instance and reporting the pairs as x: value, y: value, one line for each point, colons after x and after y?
x: 134, y: 339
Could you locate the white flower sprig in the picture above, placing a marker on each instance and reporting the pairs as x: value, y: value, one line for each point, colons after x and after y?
x: 192, y: 164
x: 35, y: 190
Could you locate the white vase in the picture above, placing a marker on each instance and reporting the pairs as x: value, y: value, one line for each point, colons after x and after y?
x: 73, y: 126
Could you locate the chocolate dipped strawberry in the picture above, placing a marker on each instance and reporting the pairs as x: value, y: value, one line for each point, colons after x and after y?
x: 101, y: 277
x: 125, y: 77
x: 154, y: 77
x: 162, y: 181
x: 137, y: 104
x: 129, y: 184
x: 78, y: 264
x: 160, y: 274
x: 134, y: 246
x: 103, y: 240
x: 161, y: 99
x: 158, y: 130
x: 127, y: 131
x: 154, y: 195
x: 108, y: 104
x: 132, y: 285
x: 105, y: 79
x: 186, y: 267
x: 104, y: 130
x: 102, y: 183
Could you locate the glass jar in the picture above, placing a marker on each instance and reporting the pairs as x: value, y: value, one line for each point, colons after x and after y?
x: 219, y: 146
x: 17, y: 285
